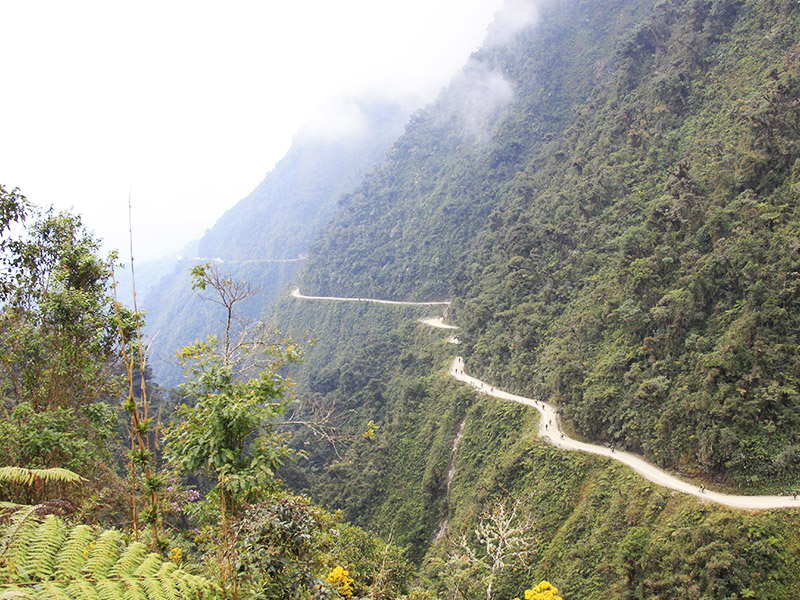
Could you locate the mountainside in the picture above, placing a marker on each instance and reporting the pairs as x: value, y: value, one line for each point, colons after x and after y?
x: 263, y: 238
x: 412, y: 223
x: 642, y: 272
x: 622, y: 238
x: 618, y: 231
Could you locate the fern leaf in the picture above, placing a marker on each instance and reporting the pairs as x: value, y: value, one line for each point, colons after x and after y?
x: 150, y: 566
x: 191, y: 586
x: 104, y: 554
x: 39, y: 562
x: 133, y: 590
x: 22, y: 476
x: 108, y: 589
x: 166, y: 569
x: 169, y: 588
x: 22, y: 524
x: 15, y: 593
x: 52, y: 591
x: 82, y: 589
x: 15, y: 547
x: 154, y: 589
x: 73, y: 556
x: 130, y: 560
x: 33, y: 568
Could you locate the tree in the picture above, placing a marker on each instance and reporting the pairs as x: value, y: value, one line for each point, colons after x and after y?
x: 59, y: 329
x: 227, y: 293
x: 228, y: 434
x: 59, y: 343
x: 503, y: 540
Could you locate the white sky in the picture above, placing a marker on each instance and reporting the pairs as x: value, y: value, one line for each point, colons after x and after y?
x: 188, y: 104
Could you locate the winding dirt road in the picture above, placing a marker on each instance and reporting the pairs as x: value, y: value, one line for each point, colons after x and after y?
x: 296, y: 293
x: 550, y: 427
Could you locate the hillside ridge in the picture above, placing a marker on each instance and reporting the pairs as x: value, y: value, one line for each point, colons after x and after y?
x: 556, y: 436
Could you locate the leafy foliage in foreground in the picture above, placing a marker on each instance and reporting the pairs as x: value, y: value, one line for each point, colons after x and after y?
x: 52, y: 560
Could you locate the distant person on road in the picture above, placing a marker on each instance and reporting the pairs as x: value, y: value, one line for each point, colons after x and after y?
x: 702, y: 488
x: 794, y: 495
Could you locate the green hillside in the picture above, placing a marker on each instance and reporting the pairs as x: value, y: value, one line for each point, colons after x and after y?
x: 620, y: 236
x: 642, y: 272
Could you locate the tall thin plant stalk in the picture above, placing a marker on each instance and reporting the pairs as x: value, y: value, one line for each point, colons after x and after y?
x: 141, y: 451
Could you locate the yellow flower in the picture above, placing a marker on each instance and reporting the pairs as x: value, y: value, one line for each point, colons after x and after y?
x: 175, y: 554
x: 341, y: 581
x: 544, y: 591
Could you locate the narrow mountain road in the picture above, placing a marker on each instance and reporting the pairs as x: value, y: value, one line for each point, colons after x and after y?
x: 550, y: 428
x: 296, y: 293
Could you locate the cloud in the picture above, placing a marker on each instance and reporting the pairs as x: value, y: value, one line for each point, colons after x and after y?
x: 335, y: 119
x: 475, y: 97
x: 513, y: 17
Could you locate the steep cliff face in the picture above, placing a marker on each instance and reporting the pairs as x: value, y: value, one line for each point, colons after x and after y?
x: 641, y: 272
x: 264, y: 237
x: 408, y: 229
x: 618, y: 231
x: 610, y: 199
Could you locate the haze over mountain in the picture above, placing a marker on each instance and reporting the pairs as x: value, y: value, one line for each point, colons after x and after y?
x: 607, y: 194
x: 609, y: 200
x: 264, y: 237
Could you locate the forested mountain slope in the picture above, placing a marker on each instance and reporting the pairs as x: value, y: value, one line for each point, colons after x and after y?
x: 642, y: 271
x: 262, y: 239
x: 621, y: 236
x: 409, y: 227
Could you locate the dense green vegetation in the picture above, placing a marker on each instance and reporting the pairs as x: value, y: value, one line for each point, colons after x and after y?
x: 382, y: 372
x: 81, y: 517
x: 411, y: 225
x: 622, y: 238
x: 598, y: 527
x: 641, y: 271
x: 610, y: 200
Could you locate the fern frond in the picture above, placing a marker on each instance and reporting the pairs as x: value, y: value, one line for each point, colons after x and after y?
x: 150, y: 566
x: 166, y: 570
x: 154, y: 589
x: 52, y: 591
x: 130, y: 560
x: 21, y: 523
x: 33, y: 568
x: 29, y: 477
x: 109, y: 589
x: 104, y: 554
x: 169, y: 588
x: 15, y: 593
x: 191, y: 586
x: 82, y: 589
x: 39, y: 561
x: 133, y: 590
x: 74, y: 553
